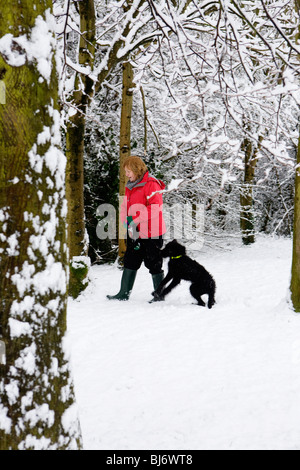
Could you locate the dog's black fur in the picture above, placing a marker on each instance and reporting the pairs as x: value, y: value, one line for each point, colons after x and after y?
x: 183, y: 267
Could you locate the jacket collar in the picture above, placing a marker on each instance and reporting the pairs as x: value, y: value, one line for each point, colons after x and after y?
x: 143, y: 181
x: 135, y: 184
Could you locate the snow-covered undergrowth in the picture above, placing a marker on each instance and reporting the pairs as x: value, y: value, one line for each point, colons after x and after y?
x: 177, y: 376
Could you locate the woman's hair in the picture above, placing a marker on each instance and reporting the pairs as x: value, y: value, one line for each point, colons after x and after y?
x: 136, y: 165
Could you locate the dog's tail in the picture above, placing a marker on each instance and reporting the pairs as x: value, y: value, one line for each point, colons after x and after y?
x: 211, y: 294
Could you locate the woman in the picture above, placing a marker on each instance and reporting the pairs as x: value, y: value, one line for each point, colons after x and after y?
x: 141, y: 213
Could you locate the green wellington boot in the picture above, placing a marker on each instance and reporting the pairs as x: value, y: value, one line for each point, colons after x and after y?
x: 157, y: 278
x: 127, y: 282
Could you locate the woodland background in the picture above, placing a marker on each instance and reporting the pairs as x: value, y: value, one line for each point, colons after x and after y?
x: 209, y: 99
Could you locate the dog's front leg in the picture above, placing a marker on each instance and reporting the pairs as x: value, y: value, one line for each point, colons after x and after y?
x: 157, y: 294
x: 164, y: 282
x: 168, y: 289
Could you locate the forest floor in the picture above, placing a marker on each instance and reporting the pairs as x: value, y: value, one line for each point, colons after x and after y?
x: 175, y: 376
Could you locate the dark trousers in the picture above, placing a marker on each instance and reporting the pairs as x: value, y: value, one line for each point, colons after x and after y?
x: 147, y: 250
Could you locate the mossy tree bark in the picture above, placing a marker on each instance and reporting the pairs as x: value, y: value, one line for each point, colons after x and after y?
x: 36, y: 391
x: 83, y: 93
x: 295, y: 280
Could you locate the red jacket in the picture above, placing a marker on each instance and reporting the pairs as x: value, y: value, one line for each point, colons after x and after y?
x: 145, y: 207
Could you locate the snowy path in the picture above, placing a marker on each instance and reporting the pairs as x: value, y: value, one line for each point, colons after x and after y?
x: 175, y: 376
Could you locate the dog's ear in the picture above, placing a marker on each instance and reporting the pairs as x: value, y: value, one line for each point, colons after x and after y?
x: 181, y: 249
x: 178, y: 248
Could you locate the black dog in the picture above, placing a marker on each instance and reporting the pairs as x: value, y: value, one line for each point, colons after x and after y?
x: 183, y: 267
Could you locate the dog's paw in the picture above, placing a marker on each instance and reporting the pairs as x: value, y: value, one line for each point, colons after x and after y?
x: 156, y: 300
x: 157, y: 297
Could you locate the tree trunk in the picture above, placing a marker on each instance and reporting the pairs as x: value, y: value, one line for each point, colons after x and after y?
x: 295, y: 282
x: 125, y: 138
x: 36, y: 391
x: 246, y: 198
x: 84, y: 90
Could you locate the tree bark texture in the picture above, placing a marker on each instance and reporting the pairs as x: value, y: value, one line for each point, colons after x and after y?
x: 37, y: 409
x: 295, y: 282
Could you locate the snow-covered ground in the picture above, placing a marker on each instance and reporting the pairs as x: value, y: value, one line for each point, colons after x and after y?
x: 175, y: 376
